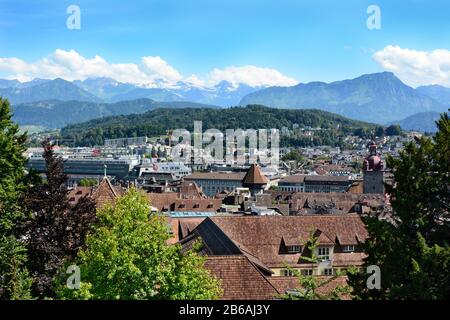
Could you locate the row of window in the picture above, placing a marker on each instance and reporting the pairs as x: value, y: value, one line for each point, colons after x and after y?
x: 323, y: 252
x: 306, y: 272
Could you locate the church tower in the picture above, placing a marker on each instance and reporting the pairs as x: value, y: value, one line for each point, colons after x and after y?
x: 373, y: 171
x: 255, y: 180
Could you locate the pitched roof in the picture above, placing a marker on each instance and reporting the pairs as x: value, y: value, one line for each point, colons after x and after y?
x: 182, y: 227
x: 234, y: 176
x: 262, y: 236
x: 254, y: 176
x: 240, y: 279
x: 102, y: 194
x: 105, y: 193
x: 296, y: 178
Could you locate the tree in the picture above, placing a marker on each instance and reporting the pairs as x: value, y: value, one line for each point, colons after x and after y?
x: 293, y: 155
x: 309, y: 287
x: 57, y: 229
x: 393, y: 130
x: 412, y: 247
x: 379, y: 131
x: 86, y: 182
x: 14, y: 280
x: 127, y: 257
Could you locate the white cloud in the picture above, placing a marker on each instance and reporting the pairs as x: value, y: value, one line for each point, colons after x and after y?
x: 160, y: 69
x: 416, y: 67
x: 151, y: 71
x: 252, y: 76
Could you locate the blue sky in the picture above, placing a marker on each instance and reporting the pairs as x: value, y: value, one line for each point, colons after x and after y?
x: 302, y: 40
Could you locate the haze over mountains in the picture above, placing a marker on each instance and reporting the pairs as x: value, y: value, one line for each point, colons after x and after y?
x: 379, y: 98
x: 53, y: 114
x: 423, y: 121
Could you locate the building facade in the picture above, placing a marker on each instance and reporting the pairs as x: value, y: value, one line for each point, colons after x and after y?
x: 373, y: 171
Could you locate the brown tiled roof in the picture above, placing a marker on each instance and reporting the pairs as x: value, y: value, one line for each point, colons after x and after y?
x: 314, y: 178
x: 240, y: 279
x: 105, y: 193
x: 296, y: 178
x: 182, y: 227
x: 254, y: 176
x: 235, y: 176
x: 102, y: 194
x: 79, y: 192
x: 198, y: 205
x: 171, y: 201
x: 344, y: 202
x: 356, y: 187
x: 261, y: 236
x: 162, y: 201
x: 190, y: 190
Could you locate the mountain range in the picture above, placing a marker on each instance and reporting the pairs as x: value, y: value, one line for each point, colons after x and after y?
x: 54, y: 114
x: 379, y: 97
x: 423, y: 121
x: 109, y: 90
x: 439, y: 93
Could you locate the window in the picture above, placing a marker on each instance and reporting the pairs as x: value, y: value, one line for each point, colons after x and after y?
x: 328, y: 272
x: 348, y: 248
x: 307, y: 272
x: 294, y: 249
x: 323, y: 253
x: 287, y: 273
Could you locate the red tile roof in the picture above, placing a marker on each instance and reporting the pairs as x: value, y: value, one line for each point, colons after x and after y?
x: 254, y: 176
x: 240, y: 279
x: 262, y: 236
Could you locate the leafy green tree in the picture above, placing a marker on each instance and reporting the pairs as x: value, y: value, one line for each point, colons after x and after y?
x: 293, y: 155
x: 127, y: 257
x: 379, y: 131
x: 393, y: 130
x: 14, y: 280
x: 412, y: 246
x: 85, y: 182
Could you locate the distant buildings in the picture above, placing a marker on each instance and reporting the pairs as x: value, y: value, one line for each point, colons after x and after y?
x: 314, y: 183
x: 216, y: 182
x: 78, y: 168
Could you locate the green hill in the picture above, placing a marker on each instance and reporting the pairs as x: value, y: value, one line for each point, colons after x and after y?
x: 57, y: 114
x: 157, y: 122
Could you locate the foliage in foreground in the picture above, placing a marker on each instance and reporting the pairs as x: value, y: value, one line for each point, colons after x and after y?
x: 56, y: 230
x: 14, y: 279
x: 412, y: 248
x: 127, y: 257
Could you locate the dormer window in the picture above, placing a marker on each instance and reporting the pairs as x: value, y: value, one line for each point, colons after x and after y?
x: 323, y: 253
x: 294, y: 249
x: 348, y: 248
